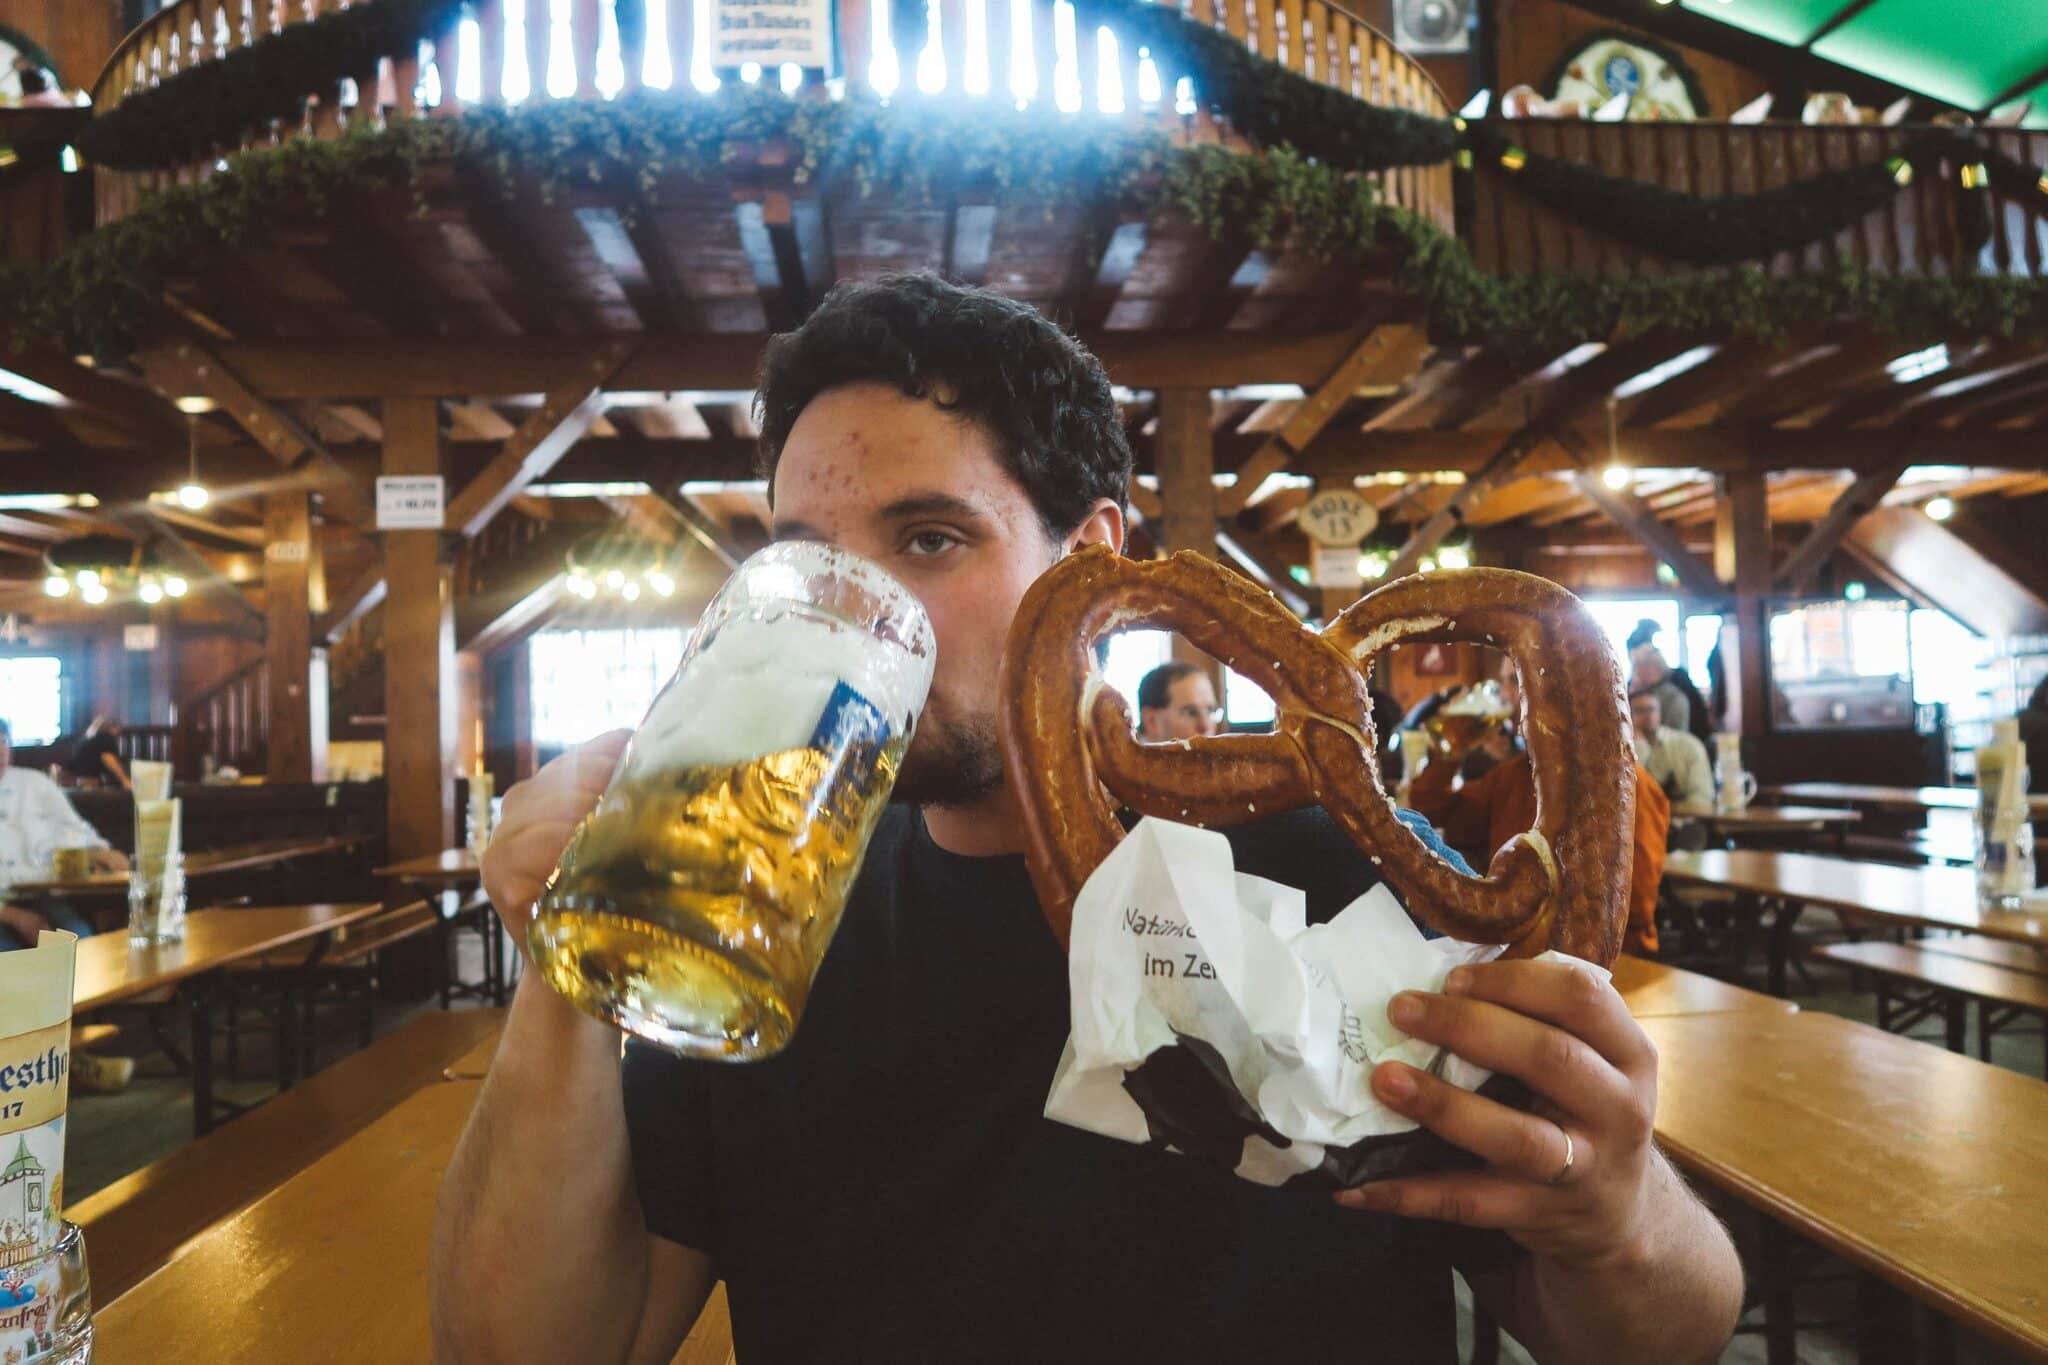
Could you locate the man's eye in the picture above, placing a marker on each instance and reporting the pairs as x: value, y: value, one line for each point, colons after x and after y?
x: 931, y: 542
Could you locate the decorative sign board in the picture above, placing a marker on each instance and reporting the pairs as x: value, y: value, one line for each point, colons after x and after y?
x: 1335, y: 566
x: 411, y: 502
x: 138, y: 639
x: 1338, y: 516
x: 772, y: 32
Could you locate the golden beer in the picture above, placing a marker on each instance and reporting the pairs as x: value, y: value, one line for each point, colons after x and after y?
x: 694, y: 905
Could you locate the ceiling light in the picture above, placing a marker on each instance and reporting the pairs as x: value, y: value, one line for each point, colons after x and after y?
x: 1617, y: 477
x: 174, y: 586
x: 663, y: 585
x: 88, y: 578
x: 151, y: 591
x: 45, y: 502
x: 93, y: 593
x: 1919, y: 364
x: 57, y: 585
x: 196, y: 407
x: 1855, y: 591
x: 192, y: 497
x: 1454, y: 557
x: 1941, y: 509
x: 631, y: 592
x: 614, y: 579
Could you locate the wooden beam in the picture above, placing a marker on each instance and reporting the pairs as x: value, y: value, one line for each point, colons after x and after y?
x: 1390, y: 354
x: 130, y: 409
x: 1431, y: 533
x: 510, y: 620
x: 419, y: 629
x: 541, y: 440
x: 27, y: 529
x: 1628, y: 512
x: 1748, y: 518
x: 356, y: 601
x: 297, y: 697
x: 195, y: 567
x: 1848, y: 509
x: 1187, y: 491
x: 1269, y: 575
x: 287, y: 370
x: 186, y: 369
x: 250, y: 536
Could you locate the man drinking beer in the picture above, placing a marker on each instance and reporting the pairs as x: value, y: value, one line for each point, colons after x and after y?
x: 887, y: 1188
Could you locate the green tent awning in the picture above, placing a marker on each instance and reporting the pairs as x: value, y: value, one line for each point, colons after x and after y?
x: 1974, y: 54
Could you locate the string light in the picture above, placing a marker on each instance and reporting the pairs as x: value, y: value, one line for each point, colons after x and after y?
x: 1941, y: 509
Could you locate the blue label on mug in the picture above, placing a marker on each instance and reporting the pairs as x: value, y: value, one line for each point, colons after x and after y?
x: 849, y: 720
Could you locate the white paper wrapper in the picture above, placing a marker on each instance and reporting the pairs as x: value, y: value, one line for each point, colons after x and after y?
x: 1208, y: 1016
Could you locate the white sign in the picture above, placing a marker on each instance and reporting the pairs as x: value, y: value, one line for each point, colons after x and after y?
x: 285, y: 551
x: 138, y: 639
x: 772, y: 32
x: 1338, y: 516
x: 1335, y: 566
x: 411, y: 502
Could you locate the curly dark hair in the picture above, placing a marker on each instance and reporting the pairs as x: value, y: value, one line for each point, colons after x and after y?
x: 1156, y: 688
x: 1043, y: 398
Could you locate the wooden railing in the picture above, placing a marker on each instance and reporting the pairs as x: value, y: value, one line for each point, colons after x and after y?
x: 1031, y: 51
x: 1916, y: 234
x: 229, y: 722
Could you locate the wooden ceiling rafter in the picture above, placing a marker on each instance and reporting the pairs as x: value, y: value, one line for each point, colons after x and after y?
x: 1390, y: 353
x: 187, y: 369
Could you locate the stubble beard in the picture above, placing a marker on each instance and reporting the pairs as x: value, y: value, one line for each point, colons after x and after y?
x: 957, y: 763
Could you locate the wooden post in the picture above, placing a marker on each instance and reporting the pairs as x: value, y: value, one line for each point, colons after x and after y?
x: 1186, y: 460
x: 298, y: 746
x: 1742, y: 541
x: 419, y: 645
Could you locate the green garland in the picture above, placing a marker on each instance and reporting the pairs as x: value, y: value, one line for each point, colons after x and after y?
x: 102, y: 293
x: 194, y: 112
x: 1705, y: 229
x: 216, y: 104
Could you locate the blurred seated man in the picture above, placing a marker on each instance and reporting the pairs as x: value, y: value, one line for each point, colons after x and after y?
x: 1682, y: 705
x: 1674, y: 758
x: 1485, y: 812
x: 1177, y: 701
x: 36, y: 821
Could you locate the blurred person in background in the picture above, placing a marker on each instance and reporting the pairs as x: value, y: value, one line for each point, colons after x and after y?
x: 1177, y: 701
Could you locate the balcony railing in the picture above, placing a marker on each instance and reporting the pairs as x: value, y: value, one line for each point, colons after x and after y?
x: 1027, y: 51
x: 1916, y: 234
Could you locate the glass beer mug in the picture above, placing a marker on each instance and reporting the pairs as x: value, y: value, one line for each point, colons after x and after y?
x: 694, y: 904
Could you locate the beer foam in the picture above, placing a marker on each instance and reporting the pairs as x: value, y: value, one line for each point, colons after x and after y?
x: 760, y: 685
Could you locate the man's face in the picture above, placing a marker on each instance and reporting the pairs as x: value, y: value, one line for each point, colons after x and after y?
x: 1189, y: 713
x: 923, y: 494
x: 1647, y: 712
x: 1650, y: 668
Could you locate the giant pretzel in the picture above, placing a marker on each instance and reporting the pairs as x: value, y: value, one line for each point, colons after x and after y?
x: 1068, y: 747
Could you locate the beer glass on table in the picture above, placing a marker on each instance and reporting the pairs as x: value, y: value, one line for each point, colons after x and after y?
x: 694, y: 904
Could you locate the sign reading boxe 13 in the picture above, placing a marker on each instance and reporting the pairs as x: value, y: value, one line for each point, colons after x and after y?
x: 772, y: 32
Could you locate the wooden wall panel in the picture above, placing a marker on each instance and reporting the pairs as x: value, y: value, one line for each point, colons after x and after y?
x: 79, y: 35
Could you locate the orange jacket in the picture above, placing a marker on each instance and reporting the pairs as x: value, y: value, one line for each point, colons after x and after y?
x: 1488, y: 811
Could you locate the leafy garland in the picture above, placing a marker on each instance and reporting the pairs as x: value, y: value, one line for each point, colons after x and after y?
x: 213, y: 105
x: 100, y: 294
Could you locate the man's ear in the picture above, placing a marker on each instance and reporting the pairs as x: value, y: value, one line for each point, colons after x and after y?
x: 1104, y: 525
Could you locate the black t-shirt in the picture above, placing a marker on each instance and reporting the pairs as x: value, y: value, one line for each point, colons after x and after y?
x: 88, y: 757
x: 888, y: 1188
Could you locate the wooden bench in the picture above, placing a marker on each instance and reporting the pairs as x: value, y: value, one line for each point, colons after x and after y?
x: 1916, y: 983
x: 350, y: 966
x: 135, y: 1224
x: 2018, y: 957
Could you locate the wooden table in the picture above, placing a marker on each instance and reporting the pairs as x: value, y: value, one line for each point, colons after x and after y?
x: 1724, y: 825
x: 203, y: 862
x: 110, y: 971
x: 329, y: 1267
x: 475, y: 1064
x: 1925, y: 897
x: 459, y: 870
x: 1890, y: 798
x: 1653, y: 990
x: 1926, y: 1169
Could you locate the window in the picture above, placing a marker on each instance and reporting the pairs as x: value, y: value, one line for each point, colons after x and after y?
x: 1841, y: 664
x: 588, y: 681
x: 1134, y: 653
x: 1618, y: 617
x: 31, y: 697
x: 1702, y: 634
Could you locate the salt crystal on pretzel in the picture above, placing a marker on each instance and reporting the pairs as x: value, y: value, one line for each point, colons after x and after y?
x: 1068, y: 746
